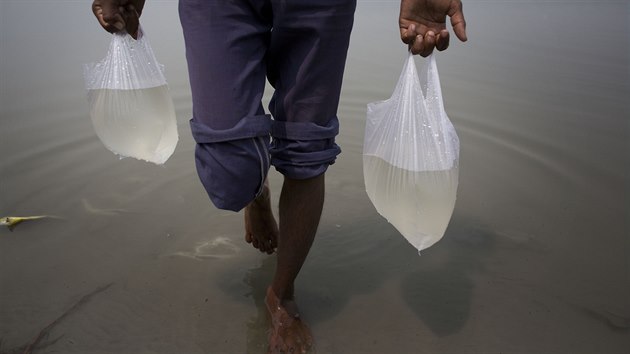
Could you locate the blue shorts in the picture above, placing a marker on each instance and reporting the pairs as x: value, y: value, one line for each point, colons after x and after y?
x: 232, y: 47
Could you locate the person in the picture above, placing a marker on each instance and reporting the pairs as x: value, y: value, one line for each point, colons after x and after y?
x: 300, y: 47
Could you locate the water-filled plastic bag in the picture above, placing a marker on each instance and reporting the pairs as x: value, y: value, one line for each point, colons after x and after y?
x: 411, y: 156
x: 130, y: 104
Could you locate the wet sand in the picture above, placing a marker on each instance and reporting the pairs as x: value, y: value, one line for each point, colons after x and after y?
x: 536, y: 258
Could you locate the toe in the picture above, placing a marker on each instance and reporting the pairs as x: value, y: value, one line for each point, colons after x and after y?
x: 274, y: 240
x: 270, y: 246
x: 263, y: 247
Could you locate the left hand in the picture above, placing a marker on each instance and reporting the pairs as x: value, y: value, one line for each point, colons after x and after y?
x: 118, y: 15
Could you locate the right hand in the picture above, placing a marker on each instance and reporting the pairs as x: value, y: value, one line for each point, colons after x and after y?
x: 423, y: 24
x: 119, y: 15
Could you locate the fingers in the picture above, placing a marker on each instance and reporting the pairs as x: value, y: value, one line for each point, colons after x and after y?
x: 138, y: 6
x: 442, y: 40
x: 418, y: 44
x: 132, y: 21
x: 428, y: 44
x: 408, y: 35
x: 108, y: 16
x: 458, y: 22
x: 424, y: 44
x: 117, y: 16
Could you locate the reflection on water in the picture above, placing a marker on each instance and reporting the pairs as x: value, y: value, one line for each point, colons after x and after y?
x: 535, y: 258
x: 257, y: 280
x: 440, y: 292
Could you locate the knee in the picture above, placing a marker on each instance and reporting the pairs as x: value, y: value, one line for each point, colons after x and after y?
x: 303, y: 150
x: 232, y: 164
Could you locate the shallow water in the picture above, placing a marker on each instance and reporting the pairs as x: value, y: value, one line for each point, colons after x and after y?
x: 536, y: 258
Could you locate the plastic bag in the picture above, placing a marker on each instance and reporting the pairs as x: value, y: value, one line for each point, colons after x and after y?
x: 130, y: 105
x: 411, y: 155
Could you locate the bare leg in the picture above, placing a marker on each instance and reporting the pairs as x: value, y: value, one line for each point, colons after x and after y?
x: 301, y: 203
x: 261, y: 229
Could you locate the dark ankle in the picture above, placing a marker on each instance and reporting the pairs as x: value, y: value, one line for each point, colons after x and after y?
x: 264, y: 198
x: 283, y: 294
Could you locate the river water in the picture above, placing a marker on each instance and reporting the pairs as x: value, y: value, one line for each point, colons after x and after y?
x: 536, y: 257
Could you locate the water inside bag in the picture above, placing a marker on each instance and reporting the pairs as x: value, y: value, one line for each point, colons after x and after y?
x: 139, y: 123
x: 418, y: 203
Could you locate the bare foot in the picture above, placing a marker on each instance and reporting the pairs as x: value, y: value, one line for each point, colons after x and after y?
x: 288, y: 333
x: 261, y: 229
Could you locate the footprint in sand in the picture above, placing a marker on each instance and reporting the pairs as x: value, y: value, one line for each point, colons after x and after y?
x: 218, y: 248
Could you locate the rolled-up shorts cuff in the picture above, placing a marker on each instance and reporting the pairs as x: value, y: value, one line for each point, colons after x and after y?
x: 302, y: 150
x: 232, y: 164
